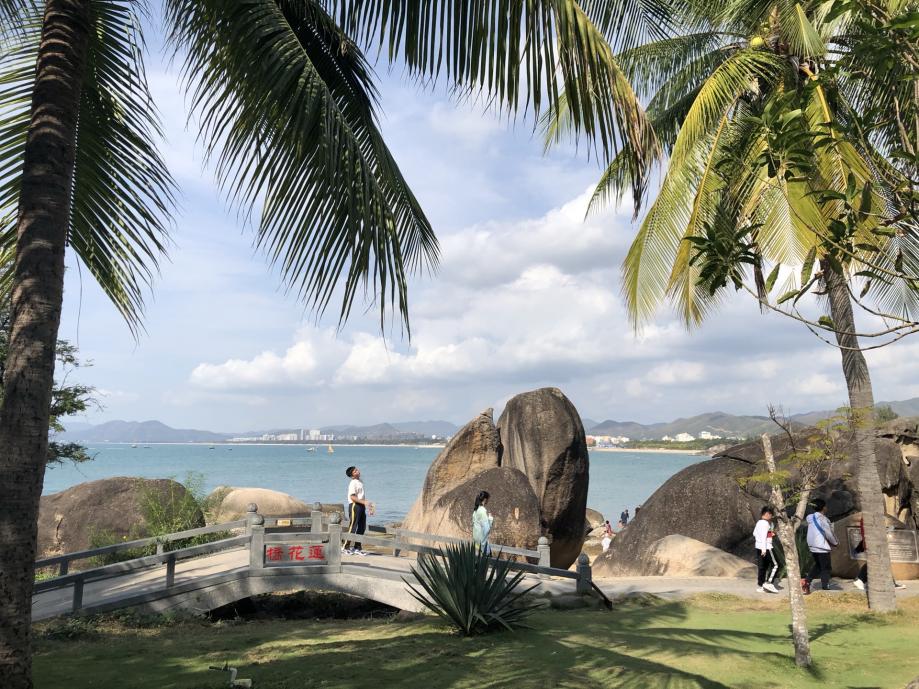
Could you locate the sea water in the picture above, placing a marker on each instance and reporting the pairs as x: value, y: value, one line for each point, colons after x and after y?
x: 393, y: 476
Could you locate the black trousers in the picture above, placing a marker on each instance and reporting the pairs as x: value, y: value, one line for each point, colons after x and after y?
x: 766, y: 567
x: 820, y: 569
x: 358, y: 518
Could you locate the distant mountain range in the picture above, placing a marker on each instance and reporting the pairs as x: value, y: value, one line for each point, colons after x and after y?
x: 725, y: 425
x: 716, y: 423
x: 158, y: 432
x: 139, y: 432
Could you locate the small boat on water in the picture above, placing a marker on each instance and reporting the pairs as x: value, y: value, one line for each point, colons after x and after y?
x: 311, y: 449
x: 134, y: 445
x: 331, y: 450
x: 211, y: 447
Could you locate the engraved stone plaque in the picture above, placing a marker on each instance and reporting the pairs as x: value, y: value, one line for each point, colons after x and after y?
x: 903, y: 544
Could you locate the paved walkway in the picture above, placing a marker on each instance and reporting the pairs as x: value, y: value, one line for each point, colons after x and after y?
x: 681, y: 587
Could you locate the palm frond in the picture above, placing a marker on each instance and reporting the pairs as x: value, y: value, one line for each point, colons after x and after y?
x: 521, y: 54
x: 746, y: 71
x: 798, y: 31
x: 630, y: 23
x: 122, y: 193
x: 286, y: 104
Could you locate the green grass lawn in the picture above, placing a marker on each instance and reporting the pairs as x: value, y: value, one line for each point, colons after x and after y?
x: 707, y: 642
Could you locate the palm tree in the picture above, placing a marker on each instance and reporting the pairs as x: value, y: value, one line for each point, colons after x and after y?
x: 286, y: 104
x: 763, y: 170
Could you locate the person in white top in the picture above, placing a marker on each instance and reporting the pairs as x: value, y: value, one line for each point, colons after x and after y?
x: 358, y: 507
x: 766, y: 564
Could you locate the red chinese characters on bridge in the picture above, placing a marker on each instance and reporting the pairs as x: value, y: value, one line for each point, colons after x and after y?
x: 294, y: 553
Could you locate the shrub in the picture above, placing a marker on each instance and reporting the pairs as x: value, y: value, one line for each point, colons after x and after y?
x: 477, y: 594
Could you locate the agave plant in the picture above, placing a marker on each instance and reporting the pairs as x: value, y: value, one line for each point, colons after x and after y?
x: 476, y: 593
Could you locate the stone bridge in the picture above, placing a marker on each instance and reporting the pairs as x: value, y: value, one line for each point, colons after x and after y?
x: 266, y: 555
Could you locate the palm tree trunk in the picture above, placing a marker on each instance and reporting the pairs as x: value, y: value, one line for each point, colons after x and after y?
x: 881, y: 593
x: 38, y: 289
x: 799, y: 634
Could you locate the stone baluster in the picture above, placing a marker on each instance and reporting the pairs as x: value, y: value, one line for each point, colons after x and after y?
x: 255, y: 528
x: 316, y: 518
x: 333, y: 552
x: 544, y: 554
x: 584, y: 574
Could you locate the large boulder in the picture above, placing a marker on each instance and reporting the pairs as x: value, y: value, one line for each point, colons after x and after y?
x: 703, y: 502
x: 539, y: 437
x: 542, y: 436
x: 593, y: 520
x: 229, y: 504
x: 110, y: 509
x: 680, y: 556
x: 471, y: 451
x: 513, y: 505
x: 717, y: 501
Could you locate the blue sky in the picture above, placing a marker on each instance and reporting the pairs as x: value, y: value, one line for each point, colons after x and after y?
x: 527, y: 296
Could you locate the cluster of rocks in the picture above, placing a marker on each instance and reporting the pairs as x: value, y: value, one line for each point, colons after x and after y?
x: 533, y: 463
x: 716, y: 504
x: 116, y: 509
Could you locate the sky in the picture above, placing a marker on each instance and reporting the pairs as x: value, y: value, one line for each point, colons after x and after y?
x: 527, y: 295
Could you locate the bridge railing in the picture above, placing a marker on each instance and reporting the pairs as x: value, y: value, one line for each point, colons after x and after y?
x: 63, y: 561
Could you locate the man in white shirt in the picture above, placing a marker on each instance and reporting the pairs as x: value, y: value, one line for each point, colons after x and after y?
x: 357, y: 511
x: 766, y: 564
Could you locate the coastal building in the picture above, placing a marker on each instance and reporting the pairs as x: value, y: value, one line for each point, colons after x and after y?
x: 683, y: 438
x: 705, y: 435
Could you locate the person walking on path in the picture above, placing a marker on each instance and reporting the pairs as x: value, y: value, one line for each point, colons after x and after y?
x: 820, y: 541
x: 624, y: 517
x: 358, y: 507
x: 766, y: 564
x: 481, y: 522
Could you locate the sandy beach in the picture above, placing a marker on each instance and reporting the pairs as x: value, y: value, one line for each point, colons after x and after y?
x: 646, y: 450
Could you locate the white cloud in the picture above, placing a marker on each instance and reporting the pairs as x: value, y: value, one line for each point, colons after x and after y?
x: 298, y: 367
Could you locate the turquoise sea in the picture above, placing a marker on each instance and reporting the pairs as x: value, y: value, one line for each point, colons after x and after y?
x: 392, y: 475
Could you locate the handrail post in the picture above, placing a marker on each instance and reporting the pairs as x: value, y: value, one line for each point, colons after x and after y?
x: 170, y: 570
x: 316, y: 518
x: 159, y: 547
x: 255, y: 529
x: 395, y: 545
x: 545, y: 555
x: 333, y: 556
x: 65, y: 567
x: 77, y: 603
x: 584, y: 574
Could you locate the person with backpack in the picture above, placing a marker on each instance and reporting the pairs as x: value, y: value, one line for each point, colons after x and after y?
x: 766, y: 564
x: 820, y: 541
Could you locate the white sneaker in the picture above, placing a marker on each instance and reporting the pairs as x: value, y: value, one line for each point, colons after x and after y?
x: 362, y: 553
x: 898, y: 586
x: 347, y: 551
x: 859, y: 584
x: 768, y: 586
x: 760, y: 589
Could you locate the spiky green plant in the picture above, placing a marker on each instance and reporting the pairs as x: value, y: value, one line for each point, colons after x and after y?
x: 476, y: 593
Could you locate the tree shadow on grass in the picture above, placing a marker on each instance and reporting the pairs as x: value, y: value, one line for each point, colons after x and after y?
x: 635, y: 647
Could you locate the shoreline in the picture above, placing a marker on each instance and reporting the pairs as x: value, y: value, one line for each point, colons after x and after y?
x: 647, y: 450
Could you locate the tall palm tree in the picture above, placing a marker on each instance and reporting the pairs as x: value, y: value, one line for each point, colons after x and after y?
x: 757, y: 170
x: 286, y: 103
